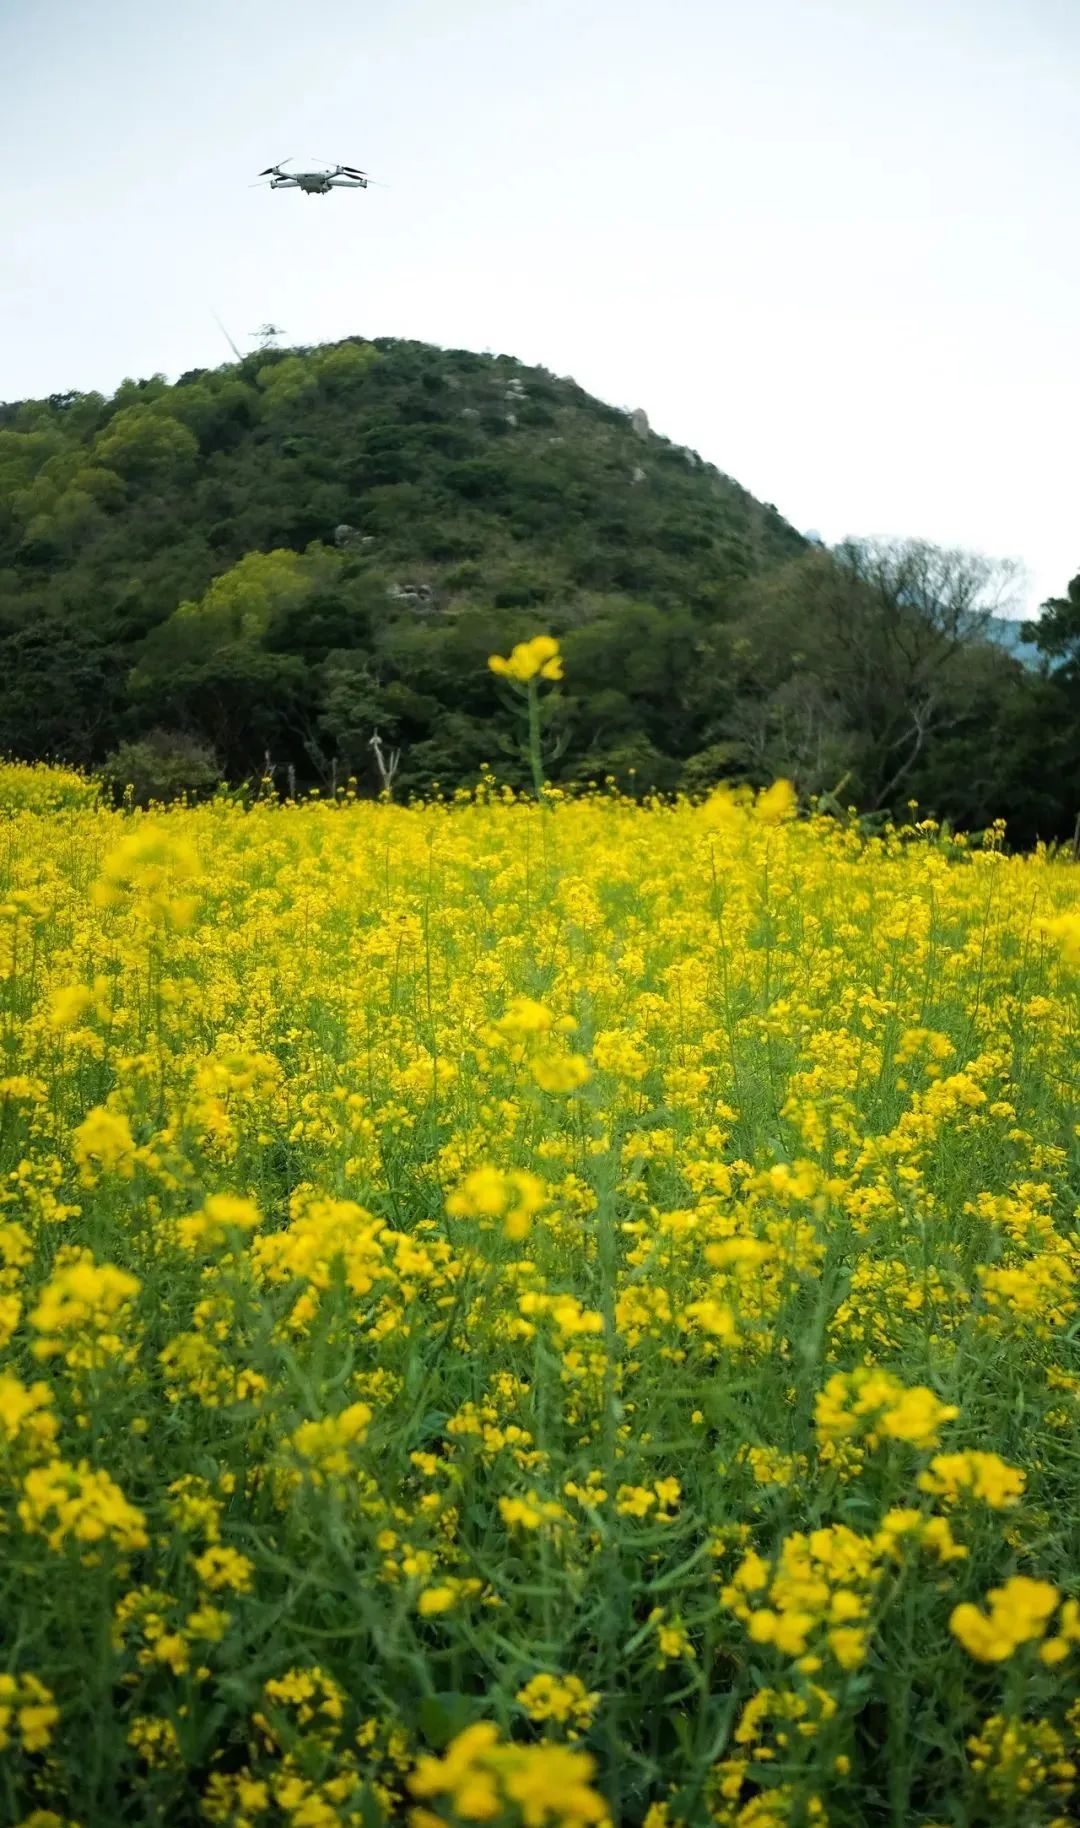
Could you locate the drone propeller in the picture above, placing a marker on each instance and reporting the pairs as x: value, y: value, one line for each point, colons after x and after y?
x: 270, y: 169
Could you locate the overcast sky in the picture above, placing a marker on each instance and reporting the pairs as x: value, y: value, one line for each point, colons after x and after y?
x: 831, y: 244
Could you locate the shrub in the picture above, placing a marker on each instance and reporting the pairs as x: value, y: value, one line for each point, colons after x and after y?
x: 163, y: 766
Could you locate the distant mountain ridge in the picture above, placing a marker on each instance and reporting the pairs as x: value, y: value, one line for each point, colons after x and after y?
x: 1009, y: 635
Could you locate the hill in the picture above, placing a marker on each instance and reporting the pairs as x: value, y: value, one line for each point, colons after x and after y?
x: 280, y: 555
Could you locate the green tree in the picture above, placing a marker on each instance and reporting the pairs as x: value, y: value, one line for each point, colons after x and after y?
x: 285, y: 382
x: 146, y: 446
x: 239, y: 607
x: 860, y: 659
x: 1056, y: 633
x: 164, y: 765
x: 243, y: 704
x: 61, y: 691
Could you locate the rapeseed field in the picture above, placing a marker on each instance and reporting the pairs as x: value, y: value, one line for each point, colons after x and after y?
x: 538, y: 1313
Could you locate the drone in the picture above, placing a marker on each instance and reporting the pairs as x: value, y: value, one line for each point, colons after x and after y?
x: 316, y: 183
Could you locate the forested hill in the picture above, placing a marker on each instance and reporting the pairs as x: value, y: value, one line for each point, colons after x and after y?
x: 282, y: 554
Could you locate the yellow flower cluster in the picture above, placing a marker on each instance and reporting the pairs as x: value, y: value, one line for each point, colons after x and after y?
x: 43, y: 788
x: 536, y: 1312
x: 820, y: 1588
x: 28, y: 1713
x: 529, y: 1033
x: 1019, y: 1759
x: 562, y: 1699
x: 1019, y: 1613
x: 326, y: 1450
x: 866, y: 1407
x: 535, y: 659
x: 81, y: 1307
x: 983, y: 1476
x: 26, y: 1415
x: 489, y: 1193
x: 78, y: 1502
x: 222, y: 1215
x: 480, y: 1775
x: 103, y: 1144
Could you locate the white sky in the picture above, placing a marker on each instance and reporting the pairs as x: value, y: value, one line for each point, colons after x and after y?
x: 831, y: 244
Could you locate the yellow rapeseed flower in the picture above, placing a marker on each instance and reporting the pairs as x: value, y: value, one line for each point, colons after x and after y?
x: 1018, y: 1613
x: 535, y: 659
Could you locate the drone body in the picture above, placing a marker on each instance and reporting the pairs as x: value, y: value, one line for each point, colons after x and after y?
x: 316, y: 183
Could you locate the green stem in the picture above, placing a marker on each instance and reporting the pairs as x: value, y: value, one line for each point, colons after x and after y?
x: 534, y: 739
